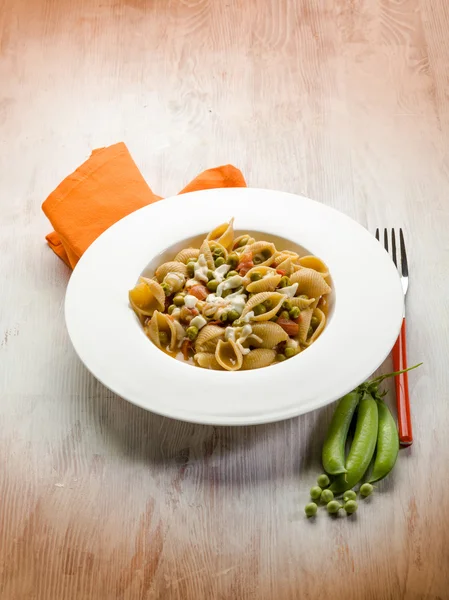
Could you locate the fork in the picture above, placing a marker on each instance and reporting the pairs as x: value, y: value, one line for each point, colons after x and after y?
x: 400, y: 347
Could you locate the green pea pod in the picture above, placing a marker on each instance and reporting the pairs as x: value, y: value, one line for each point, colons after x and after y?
x: 333, y: 455
x: 362, y: 447
x: 387, y: 443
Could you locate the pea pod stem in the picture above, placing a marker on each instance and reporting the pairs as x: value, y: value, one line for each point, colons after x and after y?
x: 362, y: 447
x: 333, y: 454
x: 379, y: 379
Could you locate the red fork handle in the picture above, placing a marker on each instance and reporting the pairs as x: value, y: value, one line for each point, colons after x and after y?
x: 401, y: 383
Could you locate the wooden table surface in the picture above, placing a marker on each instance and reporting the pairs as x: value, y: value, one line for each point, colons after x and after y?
x: 346, y: 102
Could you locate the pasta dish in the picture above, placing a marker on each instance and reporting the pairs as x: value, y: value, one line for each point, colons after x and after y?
x: 234, y: 303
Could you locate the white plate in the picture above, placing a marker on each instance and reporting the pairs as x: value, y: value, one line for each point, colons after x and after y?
x: 364, y: 320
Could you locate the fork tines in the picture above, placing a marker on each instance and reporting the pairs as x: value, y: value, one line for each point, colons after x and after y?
x: 403, y: 264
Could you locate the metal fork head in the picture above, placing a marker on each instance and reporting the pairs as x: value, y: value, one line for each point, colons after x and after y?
x: 400, y: 260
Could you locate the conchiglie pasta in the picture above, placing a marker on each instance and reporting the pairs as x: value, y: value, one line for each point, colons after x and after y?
x: 170, y: 267
x: 146, y: 297
x: 161, y: 331
x: 207, y: 360
x: 256, y: 359
x: 234, y: 303
x: 267, y: 281
x: 228, y: 355
x: 315, y: 263
x: 223, y: 234
x: 274, y: 300
x: 208, y: 338
x: 187, y: 254
x: 270, y: 333
x: 310, y: 282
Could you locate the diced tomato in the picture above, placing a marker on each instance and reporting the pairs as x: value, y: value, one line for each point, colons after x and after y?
x: 289, y: 326
x: 185, y: 348
x: 245, y: 264
x: 281, y: 272
x: 199, y: 291
x: 217, y: 322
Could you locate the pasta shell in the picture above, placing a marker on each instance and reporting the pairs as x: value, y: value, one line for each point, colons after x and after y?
x: 315, y: 263
x: 206, y: 251
x: 207, y: 360
x: 302, y: 303
x: 322, y: 318
x: 259, y: 250
x: 287, y: 266
x: 185, y: 255
x: 208, y: 337
x: 275, y: 298
x: 268, y: 283
x: 284, y: 255
x: 223, y: 234
x: 256, y: 359
x: 170, y: 267
x: 248, y: 241
x: 304, y: 324
x: 214, y: 244
x: 310, y: 282
x: 161, y: 323
x: 146, y: 297
x: 229, y: 355
x: 270, y: 333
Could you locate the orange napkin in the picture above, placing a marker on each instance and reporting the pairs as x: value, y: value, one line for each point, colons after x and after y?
x: 104, y: 189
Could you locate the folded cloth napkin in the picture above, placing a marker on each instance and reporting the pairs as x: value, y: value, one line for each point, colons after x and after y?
x: 104, y: 189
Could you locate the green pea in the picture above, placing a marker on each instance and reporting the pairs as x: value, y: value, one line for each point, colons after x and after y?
x: 257, y: 259
x: 232, y: 316
x: 304, y: 296
x: 289, y: 352
x: 224, y: 317
x: 218, y: 252
x: 333, y: 455
x: 311, y: 509
x: 323, y: 481
x: 333, y: 507
x: 280, y: 357
x: 219, y: 261
x: 233, y: 260
x: 309, y: 331
x: 178, y: 300
x: 268, y: 304
x: 274, y: 319
x: 226, y: 293
x: 192, y: 332
x: 315, y: 492
x: 366, y: 489
x: 315, y: 322
x: 349, y: 495
x: 255, y: 276
x: 284, y: 315
x: 284, y: 282
x: 232, y: 274
x: 326, y: 496
x: 294, y: 313
x: 387, y: 443
x: 171, y: 308
x: 166, y: 289
x: 242, y: 242
x: 191, y: 269
x: 350, y: 506
x: 287, y: 305
x: 212, y: 285
x: 362, y: 447
x: 163, y: 338
x: 210, y: 275
x: 259, y: 310
x: 266, y: 253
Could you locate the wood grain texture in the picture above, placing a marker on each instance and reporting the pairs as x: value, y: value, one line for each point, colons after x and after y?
x: 346, y: 102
